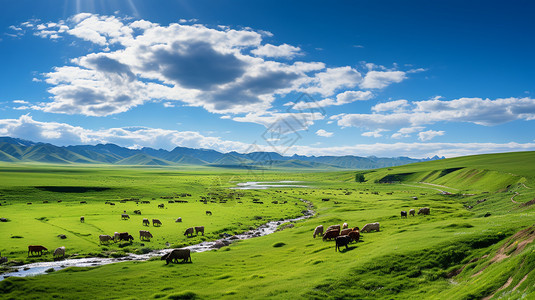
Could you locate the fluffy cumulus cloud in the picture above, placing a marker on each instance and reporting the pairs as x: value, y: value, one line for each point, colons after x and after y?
x: 220, y: 69
x: 324, y: 133
x: 400, y: 114
x: 429, y: 135
x: 284, y: 50
x: 340, y: 99
x: 65, y: 134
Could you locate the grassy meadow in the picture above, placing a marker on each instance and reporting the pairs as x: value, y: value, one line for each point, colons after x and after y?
x: 477, y: 242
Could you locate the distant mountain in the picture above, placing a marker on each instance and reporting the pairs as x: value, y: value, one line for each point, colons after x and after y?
x: 19, y: 150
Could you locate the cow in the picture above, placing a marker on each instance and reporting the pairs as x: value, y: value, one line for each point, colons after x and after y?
x: 59, y: 251
x: 424, y: 211
x: 199, y: 229
x: 176, y: 254
x: 178, y: 220
x: 318, y: 231
x: 189, y: 232
x: 124, y: 236
x: 36, y: 249
x: 411, y: 212
x: 344, y: 226
x: 82, y: 219
x: 146, y: 222
x: 156, y: 222
x: 331, y: 234
x: 125, y: 217
x: 333, y: 227
x: 370, y: 226
x: 403, y: 214
x: 208, y: 213
x: 346, y: 231
x: 342, y: 240
x: 356, y: 228
x: 137, y: 212
x: 116, y: 237
x: 104, y: 238
x: 161, y: 205
x: 354, y: 235
x: 145, y: 235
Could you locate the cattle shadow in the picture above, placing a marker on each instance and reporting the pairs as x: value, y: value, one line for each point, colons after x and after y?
x: 350, y: 248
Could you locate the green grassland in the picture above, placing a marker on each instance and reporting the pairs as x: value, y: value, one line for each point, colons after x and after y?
x: 477, y: 242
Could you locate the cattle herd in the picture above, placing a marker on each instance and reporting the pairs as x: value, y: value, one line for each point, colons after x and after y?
x: 144, y: 235
x: 344, y: 236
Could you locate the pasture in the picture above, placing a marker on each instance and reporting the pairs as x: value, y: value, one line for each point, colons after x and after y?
x: 476, y: 242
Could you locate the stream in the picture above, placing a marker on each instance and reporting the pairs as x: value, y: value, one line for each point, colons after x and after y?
x: 40, y: 268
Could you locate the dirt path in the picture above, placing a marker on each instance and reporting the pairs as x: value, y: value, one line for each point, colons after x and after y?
x: 513, y: 198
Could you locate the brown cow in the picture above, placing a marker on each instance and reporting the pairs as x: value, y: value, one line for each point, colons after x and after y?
x: 199, y: 229
x: 145, y: 235
x: 156, y: 222
x: 208, y: 213
x: 331, y: 234
x: 424, y: 211
x: 124, y: 236
x: 146, y: 222
x: 346, y: 231
x: 342, y: 240
x: 333, y: 227
x: 354, y: 235
x: 104, y: 238
x: 125, y: 216
x: 176, y: 254
x: 36, y: 249
x: 189, y: 231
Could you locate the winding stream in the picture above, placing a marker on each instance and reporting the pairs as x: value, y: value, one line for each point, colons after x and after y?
x: 42, y: 267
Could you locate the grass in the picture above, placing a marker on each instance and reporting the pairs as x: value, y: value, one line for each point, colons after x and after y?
x: 450, y: 254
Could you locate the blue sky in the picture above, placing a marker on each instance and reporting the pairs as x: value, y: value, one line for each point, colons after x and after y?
x: 383, y: 78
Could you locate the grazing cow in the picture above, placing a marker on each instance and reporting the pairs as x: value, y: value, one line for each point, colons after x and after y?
x: 137, y: 212
x: 145, y: 235
x: 344, y: 226
x: 208, y: 213
x: 116, y: 237
x: 370, y: 226
x: 146, y: 222
x: 125, y: 216
x: 411, y: 212
x: 354, y: 235
x: 342, y: 240
x: 124, y: 236
x: 161, y: 205
x: 189, y: 232
x: 199, y: 229
x: 318, y: 231
x: 178, y: 220
x: 82, y: 219
x: 333, y: 227
x: 59, y: 251
x: 176, y: 254
x: 156, y: 222
x: 346, y: 231
x: 403, y: 214
x: 424, y: 211
x: 331, y: 234
x: 36, y: 249
x: 104, y: 238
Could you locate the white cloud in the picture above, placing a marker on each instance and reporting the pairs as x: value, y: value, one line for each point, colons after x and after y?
x: 429, y: 135
x: 375, y: 133
x: 323, y: 133
x: 472, y: 110
x: 341, y: 99
x: 284, y: 50
x: 406, y: 132
x: 398, y: 106
x: 382, y: 79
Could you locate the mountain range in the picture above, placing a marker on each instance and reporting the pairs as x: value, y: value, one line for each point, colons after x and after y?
x: 19, y: 150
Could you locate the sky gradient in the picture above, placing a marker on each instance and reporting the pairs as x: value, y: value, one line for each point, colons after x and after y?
x: 381, y: 78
